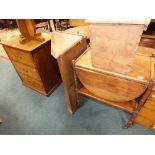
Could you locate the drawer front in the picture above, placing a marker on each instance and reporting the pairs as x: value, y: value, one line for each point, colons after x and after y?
x: 147, y: 113
x: 152, y: 96
x: 145, y: 122
x: 25, y: 70
x: 36, y: 85
x: 20, y: 56
x: 150, y: 103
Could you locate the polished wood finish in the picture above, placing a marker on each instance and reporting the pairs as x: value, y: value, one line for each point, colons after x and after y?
x: 114, y: 45
x: 112, y: 86
x: 33, y: 62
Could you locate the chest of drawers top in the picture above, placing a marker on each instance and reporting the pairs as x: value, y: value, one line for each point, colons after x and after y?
x: 29, y: 46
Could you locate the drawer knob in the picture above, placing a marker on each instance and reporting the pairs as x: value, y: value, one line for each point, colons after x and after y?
x: 19, y: 57
x: 33, y: 84
x: 25, y: 70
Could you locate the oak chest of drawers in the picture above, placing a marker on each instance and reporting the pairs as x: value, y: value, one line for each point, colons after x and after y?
x: 34, y: 64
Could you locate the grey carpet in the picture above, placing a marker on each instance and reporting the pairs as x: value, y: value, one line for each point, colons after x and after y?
x: 26, y: 112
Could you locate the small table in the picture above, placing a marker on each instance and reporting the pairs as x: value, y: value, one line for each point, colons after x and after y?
x: 126, y: 92
x: 66, y: 47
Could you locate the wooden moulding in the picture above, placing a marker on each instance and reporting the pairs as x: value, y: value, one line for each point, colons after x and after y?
x: 112, y: 86
x: 114, y: 45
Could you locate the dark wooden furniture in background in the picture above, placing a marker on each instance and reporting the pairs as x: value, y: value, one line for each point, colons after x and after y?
x: 8, y: 23
x: 33, y: 62
x: 61, y: 24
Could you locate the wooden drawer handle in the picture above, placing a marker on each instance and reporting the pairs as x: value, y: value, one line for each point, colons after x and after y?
x: 33, y: 84
x: 25, y: 70
x: 18, y: 57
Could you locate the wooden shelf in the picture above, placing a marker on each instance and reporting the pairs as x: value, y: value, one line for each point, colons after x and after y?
x: 126, y: 106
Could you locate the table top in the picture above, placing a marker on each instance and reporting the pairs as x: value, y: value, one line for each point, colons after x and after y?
x: 29, y: 45
x: 140, y: 71
x: 61, y: 42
